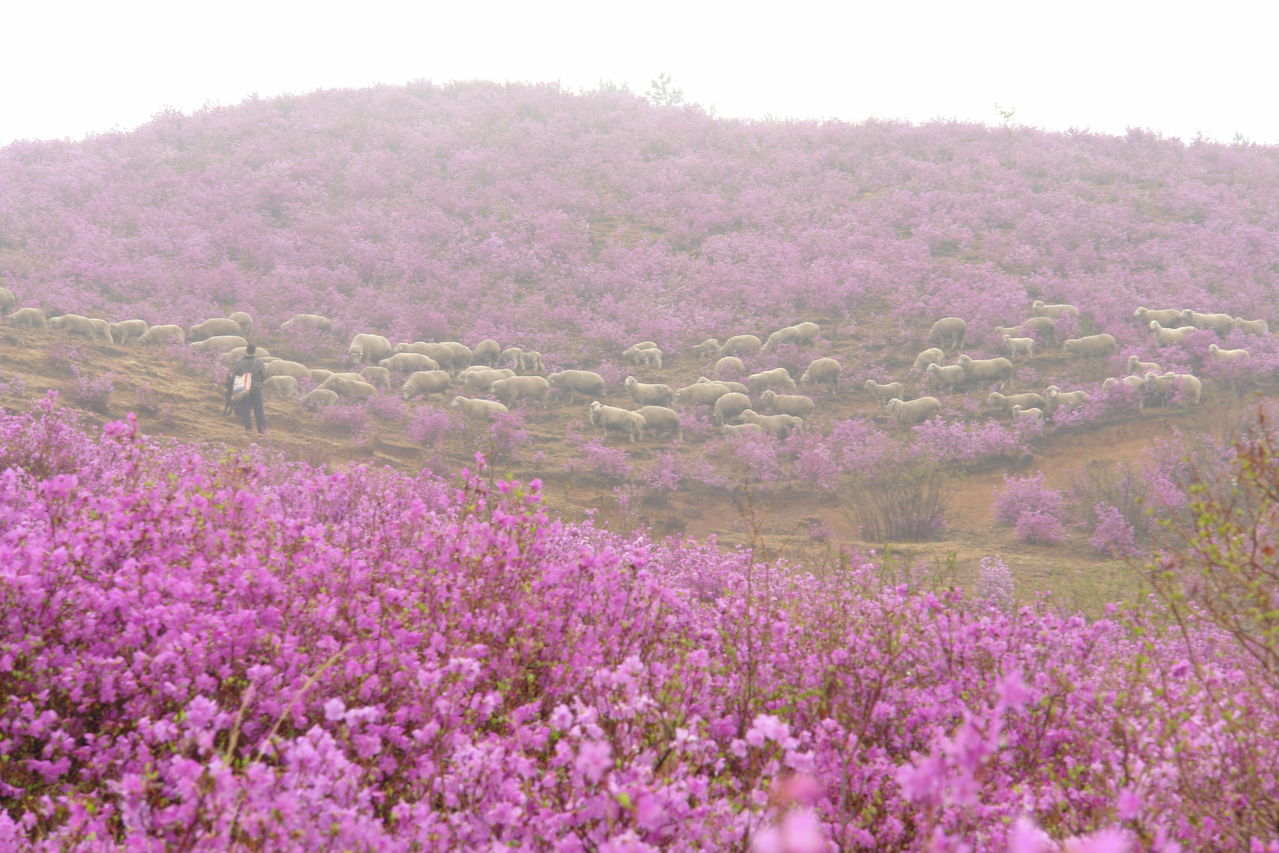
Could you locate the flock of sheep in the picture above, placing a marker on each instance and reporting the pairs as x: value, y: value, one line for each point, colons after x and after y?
x: 514, y: 376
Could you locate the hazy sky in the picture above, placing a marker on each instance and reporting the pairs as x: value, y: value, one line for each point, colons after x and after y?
x: 74, y: 68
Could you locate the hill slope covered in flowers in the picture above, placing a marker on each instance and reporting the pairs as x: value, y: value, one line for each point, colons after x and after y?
x: 197, y: 651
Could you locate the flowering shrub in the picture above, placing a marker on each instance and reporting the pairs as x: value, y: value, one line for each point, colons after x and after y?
x: 1026, y: 494
x: 1113, y: 534
x: 390, y: 407
x: 92, y: 392
x: 428, y: 425
x: 346, y: 419
x: 969, y: 442
x: 995, y: 581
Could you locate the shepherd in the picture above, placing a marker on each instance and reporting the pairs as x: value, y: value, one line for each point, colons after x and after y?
x: 244, y: 388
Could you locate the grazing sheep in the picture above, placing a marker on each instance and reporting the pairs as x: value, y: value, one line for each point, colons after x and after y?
x: 319, y: 398
x: 462, y: 355
x: 909, y: 413
x: 1252, y: 327
x: 348, y: 388
x: 486, y: 352
x: 1044, y: 330
x: 708, y: 348
x: 408, y: 362
x: 1219, y: 323
x: 948, y: 333
x: 281, y: 386
x: 216, y: 326
x: 779, y: 426
x: 574, y: 382
x: 1139, y: 367
x: 242, y: 319
x: 801, y: 333
x: 645, y: 354
x: 742, y: 429
x: 282, y: 367
x: 1169, y: 337
x: 729, y: 365
x: 702, y: 393
x: 482, y: 378
x: 377, y: 376
x: 366, y: 348
x: 987, y: 369
x: 218, y: 343
x: 7, y: 299
x: 659, y: 420
x: 425, y: 383
x: 530, y: 361
x: 1184, y: 389
x: 884, y: 393
x: 1227, y: 356
x: 788, y: 404
x: 1034, y: 416
x: 164, y: 333
x: 1019, y: 347
x: 822, y: 371
x: 951, y: 376
x: 741, y: 345
x: 640, y: 345
x: 320, y: 374
x: 729, y: 407
x: 1026, y: 400
x: 739, y: 387
x: 1091, y: 346
x: 308, y: 321
x: 649, y: 394
x: 32, y: 318
x: 521, y: 388
x: 1168, y: 317
x: 1055, y: 399
x: 1112, y: 383
x: 778, y: 377
x: 261, y: 352
x: 927, y: 358
x: 89, y: 327
x: 441, y: 353
x: 1060, y: 311
x: 612, y: 419
x: 128, y: 330
x: 509, y: 356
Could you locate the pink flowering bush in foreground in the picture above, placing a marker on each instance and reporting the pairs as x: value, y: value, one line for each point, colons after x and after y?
x: 201, y: 651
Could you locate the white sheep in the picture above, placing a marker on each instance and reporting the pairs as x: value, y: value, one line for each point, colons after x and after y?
x: 644, y: 355
x: 230, y: 357
x: 462, y: 355
x: 319, y: 398
x: 986, y: 369
x: 702, y: 393
x: 128, y: 330
x: 708, y: 348
x: 283, y: 367
x: 742, y: 429
x: 788, y: 404
x: 7, y: 299
x: 884, y: 393
x: 1169, y: 337
x: 948, y: 333
x: 739, y: 387
x: 1060, y: 311
x: 1044, y: 329
x: 476, y: 409
x: 778, y: 377
x: 1164, y: 388
x: 1055, y: 399
x: 779, y: 426
x: 32, y: 318
x: 1252, y: 327
x: 89, y: 327
x: 315, y: 322
x: 1027, y: 400
x: 218, y: 343
x: 729, y: 365
x: 319, y: 375
x: 927, y: 358
x: 822, y: 371
x: 909, y: 413
x: 1091, y: 346
x: 408, y: 362
x: 1034, y: 416
x: 441, y: 353
x: 530, y: 362
x: 801, y: 333
x: 281, y: 386
x: 1019, y: 347
x: 1137, y: 366
x: 1167, y: 317
x: 574, y: 382
x: 729, y: 407
x: 649, y: 394
x: 1112, y: 383
x: 521, y: 388
x: 612, y: 419
x: 741, y: 345
x: 482, y: 378
x: 163, y: 333
x: 660, y: 420
x: 215, y: 326
x: 242, y: 319
x: 509, y: 356
x: 1219, y: 323
x: 425, y: 383
x: 379, y: 377
x: 348, y: 388
x: 1227, y: 356
x: 367, y: 348
x: 486, y: 352
x: 950, y: 376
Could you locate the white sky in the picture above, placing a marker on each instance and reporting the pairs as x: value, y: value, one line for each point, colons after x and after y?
x: 75, y: 68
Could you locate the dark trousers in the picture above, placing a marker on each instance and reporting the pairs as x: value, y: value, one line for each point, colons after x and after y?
x: 253, y: 403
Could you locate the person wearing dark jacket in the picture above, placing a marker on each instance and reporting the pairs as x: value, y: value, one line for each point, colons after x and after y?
x: 251, y: 364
